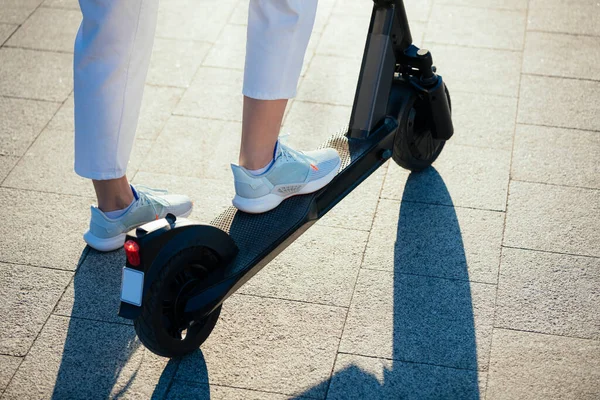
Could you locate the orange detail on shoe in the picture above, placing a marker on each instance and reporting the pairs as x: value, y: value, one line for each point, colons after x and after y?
x: 156, y: 216
x: 313, y: 166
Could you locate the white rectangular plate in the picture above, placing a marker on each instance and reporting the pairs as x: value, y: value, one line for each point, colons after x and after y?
x: 132, y: 286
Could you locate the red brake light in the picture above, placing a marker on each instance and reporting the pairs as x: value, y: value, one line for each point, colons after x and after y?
x: 132, y: 251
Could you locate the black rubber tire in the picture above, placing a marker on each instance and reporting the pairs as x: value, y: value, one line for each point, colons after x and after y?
x: 406, y: 152
x: 149, y: 325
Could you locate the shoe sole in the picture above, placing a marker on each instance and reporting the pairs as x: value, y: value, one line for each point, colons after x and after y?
x: 115, y: 242
x: 270, y: 201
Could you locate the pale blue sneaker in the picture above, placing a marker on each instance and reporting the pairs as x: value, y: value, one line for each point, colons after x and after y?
x: 106, y: 234
x: 292, y: 173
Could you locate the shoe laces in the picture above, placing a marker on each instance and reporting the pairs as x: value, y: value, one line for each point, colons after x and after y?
x: 151, y: 196
x: 290, y: 154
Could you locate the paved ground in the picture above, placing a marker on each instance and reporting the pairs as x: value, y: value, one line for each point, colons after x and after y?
x: 477, y: 279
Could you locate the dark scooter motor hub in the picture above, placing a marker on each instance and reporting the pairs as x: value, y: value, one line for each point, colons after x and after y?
x: 178, y: 273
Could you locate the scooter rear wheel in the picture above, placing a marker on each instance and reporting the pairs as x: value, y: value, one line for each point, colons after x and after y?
x: 162, y: 326
x: 414, y: 147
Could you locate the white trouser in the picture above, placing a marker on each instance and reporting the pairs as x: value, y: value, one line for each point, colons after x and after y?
x: 112, y: 54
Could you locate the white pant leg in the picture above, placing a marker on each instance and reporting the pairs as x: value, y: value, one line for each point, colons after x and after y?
x: 112, y: 54
x: 278, y: 34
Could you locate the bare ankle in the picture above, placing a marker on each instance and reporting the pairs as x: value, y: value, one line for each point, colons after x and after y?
x: 113, y: 194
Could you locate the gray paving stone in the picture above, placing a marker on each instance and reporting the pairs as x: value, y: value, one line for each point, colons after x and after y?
x: 493, y: 4
x: 470, y: 26
x: 17, y: 11
x: 559, y: 102
x: 549, y: 293
x: 174, y: 62
x: 416, y: 10
x: 572, y: 16
x: 319, y: 267
x: 189, y: 147
x: 357, y: 377
x: 42, y: 229
x: 432, y: 240
x: 330, y: 80
x: 27, y: 298
x: 477, y: 70
x: 82, y: 359
x: 529, y: 366
x: 198, y: 20
x: 6, y: 30
x: 210, y: 196
x: 35, y: 74
x: 48, y: 29
x: 181, y: 390
x: 95, y: 291
x: 70, y: 4
x: 8, y: 367
x: 22, y: 121
x: 462, y: 176
x: 558, y: 156
x: 269, y: 345
x: 344, y: 36
x: 48, y: 165
x: 576, y: 56
x: 6, y: 164
x: 229, y: 49
x: 157, y: 106
x: 553, y: 218
x: 421, y: 320
x: 214, y: 93
x: 483, y: 120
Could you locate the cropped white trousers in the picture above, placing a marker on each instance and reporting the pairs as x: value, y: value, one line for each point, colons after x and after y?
x: 112, y: 55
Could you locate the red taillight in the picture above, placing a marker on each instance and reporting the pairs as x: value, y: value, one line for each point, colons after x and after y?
x: 132, y: 250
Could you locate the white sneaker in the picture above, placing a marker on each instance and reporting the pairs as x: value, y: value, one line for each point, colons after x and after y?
x: 292, y: 173
x: 106, y: 234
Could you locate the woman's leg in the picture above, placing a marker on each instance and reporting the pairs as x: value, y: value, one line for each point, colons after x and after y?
x: 278, y: 34
x: 112, y: 55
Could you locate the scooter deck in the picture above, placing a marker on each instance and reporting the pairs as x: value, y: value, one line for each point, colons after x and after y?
x: 260, y: 237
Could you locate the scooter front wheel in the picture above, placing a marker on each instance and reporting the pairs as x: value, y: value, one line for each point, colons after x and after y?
x: 162, y: 326
x: 414, y: 146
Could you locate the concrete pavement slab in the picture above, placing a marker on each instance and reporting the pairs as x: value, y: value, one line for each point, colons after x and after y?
x: 330, y: 80
x: 174, y: 62
x: 181, y: 390
x: 27, y: 298
x: 6, y: 30
x: 358, y: 378
x: 188, y: 147
x: 51, y: 29
x: 70, y: 4
x: 32, y: 74
x: 8, y: 367
x: 22, y: 120
x: 82, y: 359
x: 577, y: 55
x: 419, y: 319
x: 17, y: 11
x: 434, y: 240
x: 95, y: 292
x: 416, y: 10
x: 470, y: 26
x: 529, y: 366
x: 477, y: 70
x: 320, y: 267
x: 553, y: 218
x: 268, y: 345
x: 567, y: 103
x: 42, y: 229
x: 344, y: 36
x: 570, y: 16
x: 157, y: 106
x: 549, y: 293
x: 197, y: 20
x: 228, y: 50
x: 214, y: 93
x: 493, y: 4
x: 463, y: 176
x: 483, y: 120
x: 6, y: 164
x: 555, y: 155
x: 47, y: 165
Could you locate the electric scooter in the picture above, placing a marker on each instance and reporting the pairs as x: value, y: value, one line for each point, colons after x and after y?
x: 178, y: 273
